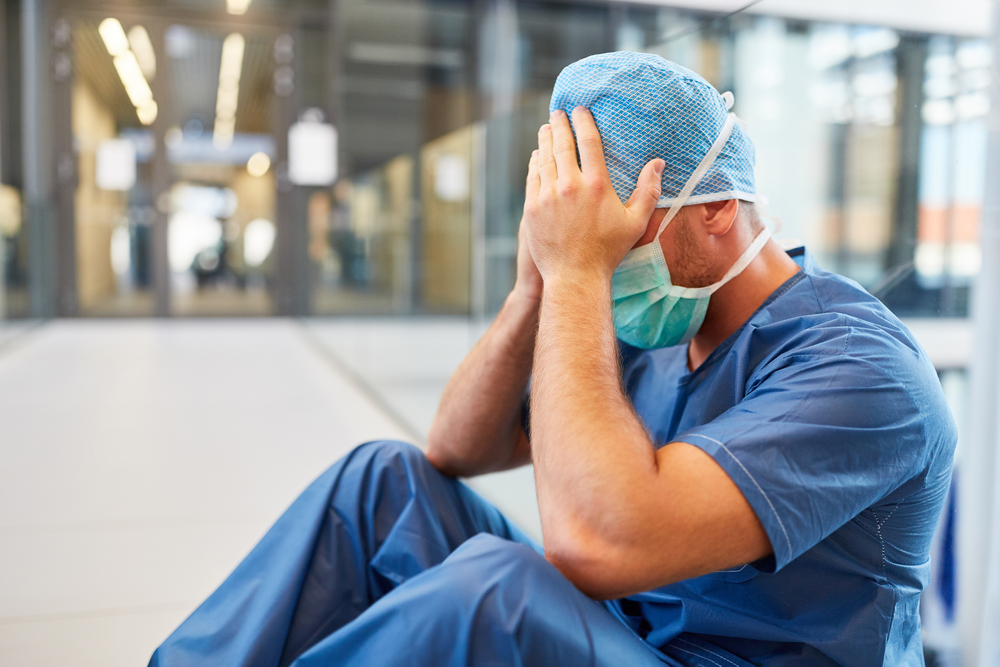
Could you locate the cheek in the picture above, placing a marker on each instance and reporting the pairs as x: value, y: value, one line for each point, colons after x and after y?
x: 652, y: 227
x: 673, y: 250
x: 649, y: 236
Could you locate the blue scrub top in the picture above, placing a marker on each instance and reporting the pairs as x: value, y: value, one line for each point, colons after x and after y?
x: 829, y: 417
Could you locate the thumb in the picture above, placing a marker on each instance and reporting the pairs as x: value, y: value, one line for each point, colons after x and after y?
x: 647, y: 191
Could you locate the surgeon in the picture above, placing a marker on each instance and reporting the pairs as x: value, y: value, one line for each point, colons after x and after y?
x: 740, y: 458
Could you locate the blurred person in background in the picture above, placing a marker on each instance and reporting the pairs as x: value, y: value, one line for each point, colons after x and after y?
x: 740, y: 458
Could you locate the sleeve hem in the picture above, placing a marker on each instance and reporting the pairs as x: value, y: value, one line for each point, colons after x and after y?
x: 781, y: 543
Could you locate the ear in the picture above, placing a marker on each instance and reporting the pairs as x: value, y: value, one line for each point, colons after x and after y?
x: 654, y: 224
x: 719, y: 216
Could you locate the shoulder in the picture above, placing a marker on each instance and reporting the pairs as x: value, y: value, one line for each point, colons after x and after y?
x: 848, y: 349
x: 828, y: 315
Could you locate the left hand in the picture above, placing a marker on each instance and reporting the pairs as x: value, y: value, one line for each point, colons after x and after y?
x: 577, y: 227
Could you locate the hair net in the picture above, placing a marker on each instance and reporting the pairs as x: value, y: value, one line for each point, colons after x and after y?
x: 647, y: 107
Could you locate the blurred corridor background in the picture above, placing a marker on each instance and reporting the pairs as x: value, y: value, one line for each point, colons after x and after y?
x: 238, y: 237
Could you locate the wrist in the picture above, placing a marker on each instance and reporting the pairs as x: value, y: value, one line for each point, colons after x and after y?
x: 582, y: 283
x: 523, y: 296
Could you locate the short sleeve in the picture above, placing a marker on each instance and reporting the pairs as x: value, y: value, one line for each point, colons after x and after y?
x: 818, y: 438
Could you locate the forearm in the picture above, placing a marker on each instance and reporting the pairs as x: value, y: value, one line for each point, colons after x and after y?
x: 477, y: 427
x: 592, y: 456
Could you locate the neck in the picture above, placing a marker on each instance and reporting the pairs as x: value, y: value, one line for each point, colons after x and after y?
x: 738, y: 299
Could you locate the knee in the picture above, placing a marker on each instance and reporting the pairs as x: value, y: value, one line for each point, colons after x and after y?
x: 490, y: 563
x: 486, y: 591
x: 378, y: 455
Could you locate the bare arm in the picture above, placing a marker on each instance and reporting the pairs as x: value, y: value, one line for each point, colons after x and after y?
x: 477, y: 428
x: 618, y: 517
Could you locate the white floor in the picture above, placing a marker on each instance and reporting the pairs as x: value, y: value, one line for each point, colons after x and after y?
x: 140, y: 460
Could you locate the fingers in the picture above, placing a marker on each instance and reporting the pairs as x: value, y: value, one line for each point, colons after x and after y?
x: 546, y: 161
x: 647, y: 191
x: 588, y: 138
x: 532, y: 186
x: 563, y: 144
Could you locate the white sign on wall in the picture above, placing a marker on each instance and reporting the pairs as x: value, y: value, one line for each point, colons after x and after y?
x: 312, y: 153
x: 116, y: 168
x: 451, y: 177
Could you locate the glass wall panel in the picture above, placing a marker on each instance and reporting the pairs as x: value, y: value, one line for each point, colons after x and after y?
x: 222, y: 212
x: 113, y: 203
x: 398, y: 233
x: 13, y: 267
x: 446, y: 188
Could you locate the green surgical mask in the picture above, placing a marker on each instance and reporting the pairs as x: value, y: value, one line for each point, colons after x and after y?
x: 648, y: 310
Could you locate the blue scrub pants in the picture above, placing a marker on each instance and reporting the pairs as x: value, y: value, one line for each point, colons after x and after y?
x: 385, y: 561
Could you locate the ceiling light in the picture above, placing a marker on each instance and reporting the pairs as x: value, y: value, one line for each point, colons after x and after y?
x: 222, y: 136
x: 232, y: 58
x: 226, y: 104
x: 258, y: 164
x: 132, y: 69
x: 131, y: 76
x: 237, y: 6
x: 142, y: 47
x: 114, y: 37
x: 147, y: 112
x: 228, y: 94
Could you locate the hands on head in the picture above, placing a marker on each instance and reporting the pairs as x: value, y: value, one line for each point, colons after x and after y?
x: 574, y: 225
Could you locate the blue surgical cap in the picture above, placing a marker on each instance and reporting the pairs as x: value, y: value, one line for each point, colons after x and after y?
x: 647, y: 107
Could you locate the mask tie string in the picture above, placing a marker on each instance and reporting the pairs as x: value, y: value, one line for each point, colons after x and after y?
x: 699, y: 172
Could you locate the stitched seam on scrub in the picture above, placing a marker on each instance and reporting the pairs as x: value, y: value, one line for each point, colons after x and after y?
x: 697, y: 655
x: 730, y: 571
x: 717, y: 655
x: 752, y: 479
x: 878, y: 529
x: 800, y: 275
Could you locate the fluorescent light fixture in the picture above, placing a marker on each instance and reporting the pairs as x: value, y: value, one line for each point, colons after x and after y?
x: 131, y: 75
x: 258, y: 164
x: 147, y: 112
x: 142, y: 47
x: 113, y: 35
x: 225, y: 105
x: 232, y: 59
x: 228, y: 95
x: 237, y: 6
x: 132, y: 68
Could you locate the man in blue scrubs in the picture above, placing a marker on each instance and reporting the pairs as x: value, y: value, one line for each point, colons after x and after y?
x: 740, y: 458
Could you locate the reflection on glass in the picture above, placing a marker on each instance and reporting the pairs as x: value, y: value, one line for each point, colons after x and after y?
x: 13, y: 301
x: 953, y: 165
x: 870, y: 149
x: 220, y: 155
x: 113, y: 209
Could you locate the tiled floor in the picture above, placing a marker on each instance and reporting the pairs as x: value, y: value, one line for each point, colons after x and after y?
x: 404, y: 364
x: 140, y: 460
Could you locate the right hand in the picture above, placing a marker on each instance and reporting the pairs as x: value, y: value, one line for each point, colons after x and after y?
x: 529, y: 280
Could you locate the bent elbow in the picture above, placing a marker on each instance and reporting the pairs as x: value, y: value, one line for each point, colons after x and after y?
x: 591, y: 565
x: 438, y: 456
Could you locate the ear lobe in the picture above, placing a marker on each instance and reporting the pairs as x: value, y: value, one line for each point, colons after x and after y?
x: 720, y: 215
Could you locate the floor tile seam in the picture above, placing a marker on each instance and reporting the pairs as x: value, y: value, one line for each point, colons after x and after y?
x: 335, y: 363
x: 98, y: 613
x: 21, y: 337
